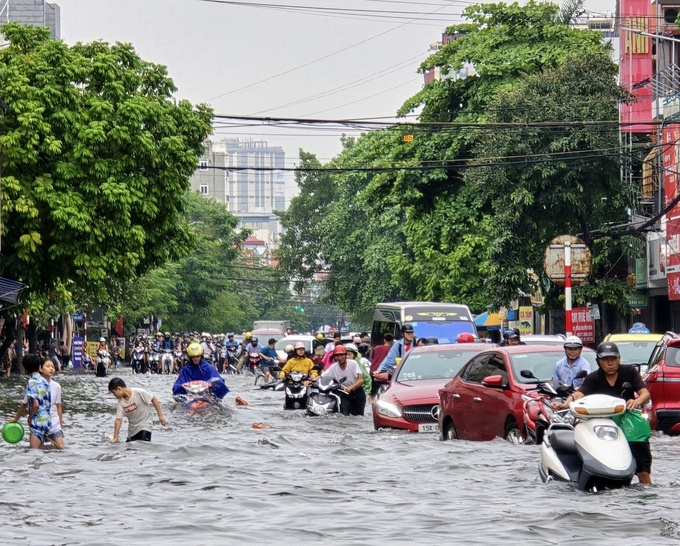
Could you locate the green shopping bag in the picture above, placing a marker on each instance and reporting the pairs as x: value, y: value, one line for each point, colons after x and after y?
x: 635, y: 427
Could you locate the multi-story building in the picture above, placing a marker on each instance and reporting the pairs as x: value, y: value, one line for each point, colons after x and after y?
x: 245, y: 175
x: 32, y: 12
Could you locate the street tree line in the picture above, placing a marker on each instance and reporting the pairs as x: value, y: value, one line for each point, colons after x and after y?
x: 461, y: 208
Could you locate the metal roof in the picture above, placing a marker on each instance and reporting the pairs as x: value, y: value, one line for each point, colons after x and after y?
x: 10, y: 291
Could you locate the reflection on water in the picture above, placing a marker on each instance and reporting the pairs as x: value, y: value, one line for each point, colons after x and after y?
x: 217, y: 480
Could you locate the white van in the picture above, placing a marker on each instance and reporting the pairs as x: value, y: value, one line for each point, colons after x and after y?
x: 429, y: 319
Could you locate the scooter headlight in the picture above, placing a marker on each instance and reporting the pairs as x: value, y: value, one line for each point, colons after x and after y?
x: 607, y: 433
x: 387, y: 409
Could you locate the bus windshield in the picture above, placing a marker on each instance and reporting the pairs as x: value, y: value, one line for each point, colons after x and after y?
x: 445, y: 332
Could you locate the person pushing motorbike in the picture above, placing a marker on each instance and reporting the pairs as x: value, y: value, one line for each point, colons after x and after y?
x: 199, y: 370
x: 298, y: 362
x: 568, y: 368
x: 609, y: 379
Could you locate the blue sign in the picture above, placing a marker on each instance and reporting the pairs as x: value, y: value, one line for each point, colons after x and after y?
x: 78, y: 317
x: 77, y: 352
x: 639, y: 328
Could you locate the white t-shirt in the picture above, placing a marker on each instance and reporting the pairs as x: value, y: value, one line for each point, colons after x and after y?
x: 55, y: 398
x: 137, y: 410
x: 346, y: 377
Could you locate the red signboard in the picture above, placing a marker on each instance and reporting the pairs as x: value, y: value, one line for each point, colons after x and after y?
x: 636, y: 64
x: 582, y: 325
x: 671, y: 155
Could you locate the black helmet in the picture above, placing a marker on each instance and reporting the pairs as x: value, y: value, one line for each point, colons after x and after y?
x: 253, y: 340
x: 431, y: 341
x: 364, y: 349
x: 509, y: 334
x: 407, y: 328
x: 606, y: 349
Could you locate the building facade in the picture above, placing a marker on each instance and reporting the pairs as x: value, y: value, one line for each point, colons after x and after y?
x: 32, y: 12
x: 245, y: 175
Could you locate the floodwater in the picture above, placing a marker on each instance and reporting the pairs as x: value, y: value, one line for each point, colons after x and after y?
x: 334, y: 480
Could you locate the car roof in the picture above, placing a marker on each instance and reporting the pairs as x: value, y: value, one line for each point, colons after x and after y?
x: 297, y: 338
x: 449, y: 346
x: 519, y: 349
x: 635, y: 337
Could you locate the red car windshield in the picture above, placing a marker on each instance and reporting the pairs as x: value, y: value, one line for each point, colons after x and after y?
x: 541, y: 364
x: 442, y: 364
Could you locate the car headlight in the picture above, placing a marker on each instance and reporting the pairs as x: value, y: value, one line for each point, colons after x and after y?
x: 387, y: 409
x: 607, y: 433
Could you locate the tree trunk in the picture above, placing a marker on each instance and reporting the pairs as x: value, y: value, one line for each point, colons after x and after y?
x: 21, y: 332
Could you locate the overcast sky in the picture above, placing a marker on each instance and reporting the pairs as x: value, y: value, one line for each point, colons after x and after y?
x: 213, y: 50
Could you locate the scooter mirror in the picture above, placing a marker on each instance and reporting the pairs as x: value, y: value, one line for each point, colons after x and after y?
x: 527, y: 374
x: 626, y: 390
x: 581, y: 374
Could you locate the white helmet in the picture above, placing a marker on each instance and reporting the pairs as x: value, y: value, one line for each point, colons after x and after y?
x: 573, y: 342
x: 352, y: 347
x: 102, y: 339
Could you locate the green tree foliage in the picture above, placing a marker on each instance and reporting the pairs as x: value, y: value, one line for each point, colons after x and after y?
x: 96, y: 155
x: 439, y: 224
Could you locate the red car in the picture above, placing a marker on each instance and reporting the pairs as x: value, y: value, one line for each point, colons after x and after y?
x: 484, y: 400
x: 663, y: 381
x: 411, y: 402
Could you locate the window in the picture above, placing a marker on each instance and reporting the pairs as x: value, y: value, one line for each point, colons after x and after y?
x: 204, y: 189
x: 474, y: 371
x: 204, y: 165
x: 496, y: 366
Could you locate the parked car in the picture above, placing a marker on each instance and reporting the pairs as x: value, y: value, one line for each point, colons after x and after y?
x: 539, y: 339
x: 485, y: 399
x: 662, y: 378
x: 411, y: 402
x: 635, y: 349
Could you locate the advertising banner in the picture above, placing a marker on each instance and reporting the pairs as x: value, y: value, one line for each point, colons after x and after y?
x: 526, y: 321
x: 582, y: 325
x: 77, y: 352
x: 636, y: 64
x: 671, y: 155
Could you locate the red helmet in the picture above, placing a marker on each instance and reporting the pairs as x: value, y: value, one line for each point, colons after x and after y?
x: 465, y: 338
x: 340, y: 350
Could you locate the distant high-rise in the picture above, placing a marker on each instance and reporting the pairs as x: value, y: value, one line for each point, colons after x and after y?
x: 32, y: 12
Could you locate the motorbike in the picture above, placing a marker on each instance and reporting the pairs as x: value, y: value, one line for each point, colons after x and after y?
x: 296, y: 390
x: 199, y: 397
x: 220, y: 358
x: 153, y: 362
x: 102, y: 364
x: 232, y: 356
x: 138, y: 361
x: 594, y: 453
x: 166, y: 363
x: 253, y: 362
x: 179, y: 364
x: 538, y: 412
x: 323, y: 396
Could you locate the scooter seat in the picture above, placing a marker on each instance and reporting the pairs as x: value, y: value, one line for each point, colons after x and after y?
x: 562, y: 441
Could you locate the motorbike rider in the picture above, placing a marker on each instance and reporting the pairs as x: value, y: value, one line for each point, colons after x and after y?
x: 244, y: 354
x: 609, y: 379
x: 510, y: 338
x: 103, y: 346
x: 354, y: 354
x: 348, y: 374
x: 568, y: 368
x: 298, y: 362
x: 398, y: 350
x: 289, y: 331
x: 199, y: 370
x: 269, y: 359
x: 207, y: 346
x: 252, y: 347
x: 331, y: 344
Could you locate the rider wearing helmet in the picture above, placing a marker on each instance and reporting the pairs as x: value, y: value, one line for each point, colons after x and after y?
x: 298, y: 362
x: 398, y: 350
x: 348, y: 374
x: 568, y: 368
x: 364, y: 365
x: 510, y: 338
x: 465, y: 337
x: 199, y: 370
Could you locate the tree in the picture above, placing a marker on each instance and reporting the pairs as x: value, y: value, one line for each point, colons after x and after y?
x: 96, y: 155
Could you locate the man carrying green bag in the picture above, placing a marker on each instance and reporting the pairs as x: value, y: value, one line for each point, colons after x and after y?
x: 609, y: 379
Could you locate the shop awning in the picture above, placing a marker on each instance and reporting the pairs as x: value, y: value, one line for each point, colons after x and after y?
x: 10, y: 291
x: 488, y: 321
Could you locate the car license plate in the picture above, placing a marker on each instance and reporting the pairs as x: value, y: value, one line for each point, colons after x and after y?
x: 428, y: 428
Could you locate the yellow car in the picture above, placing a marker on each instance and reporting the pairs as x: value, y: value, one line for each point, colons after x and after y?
x: 635, y: 348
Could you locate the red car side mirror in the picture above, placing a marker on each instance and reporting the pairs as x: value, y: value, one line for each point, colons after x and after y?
x: 493, y: 381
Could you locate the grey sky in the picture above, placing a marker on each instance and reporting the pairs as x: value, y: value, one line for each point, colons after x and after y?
x: 212, y: 49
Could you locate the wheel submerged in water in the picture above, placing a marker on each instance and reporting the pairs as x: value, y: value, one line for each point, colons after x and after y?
x: 513, y: 434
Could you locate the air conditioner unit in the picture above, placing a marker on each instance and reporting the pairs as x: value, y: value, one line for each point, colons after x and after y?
x: 670, y: 15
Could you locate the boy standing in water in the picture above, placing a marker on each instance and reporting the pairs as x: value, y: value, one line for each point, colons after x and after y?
x: 135, y: 404
x: 38, y: 403
x: 56, y: 434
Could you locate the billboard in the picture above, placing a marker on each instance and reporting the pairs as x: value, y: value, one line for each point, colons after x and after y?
x: 671, y: 155
x: 582, y: 325
x: 636, y: 64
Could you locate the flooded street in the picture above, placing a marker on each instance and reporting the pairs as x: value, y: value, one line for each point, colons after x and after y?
x: 216, y: 480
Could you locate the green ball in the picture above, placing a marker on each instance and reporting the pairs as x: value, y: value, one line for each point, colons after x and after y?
x: 13, y: 433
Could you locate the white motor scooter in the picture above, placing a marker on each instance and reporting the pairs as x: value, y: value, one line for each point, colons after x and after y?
x: 594, y: 454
